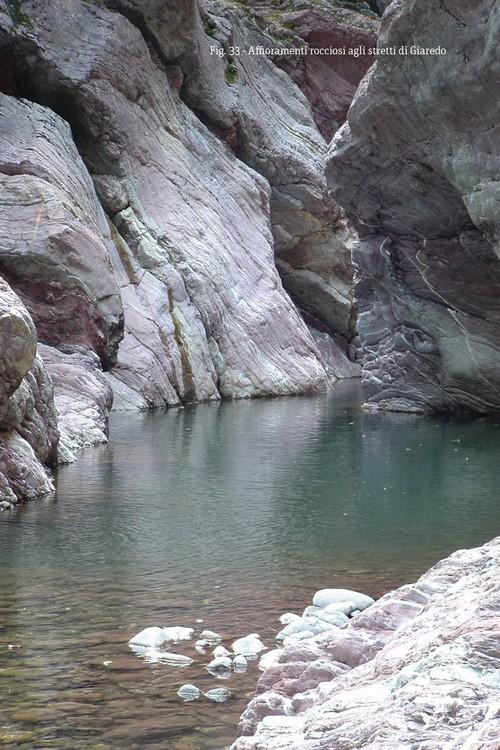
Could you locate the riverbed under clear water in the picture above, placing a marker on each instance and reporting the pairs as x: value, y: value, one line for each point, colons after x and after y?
x: 229, y: 514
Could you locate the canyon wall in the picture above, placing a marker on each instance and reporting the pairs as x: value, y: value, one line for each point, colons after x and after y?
x: 416, y: 168
x: 152, y: 184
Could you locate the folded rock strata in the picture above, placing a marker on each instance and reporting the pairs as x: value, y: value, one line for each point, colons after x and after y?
x: 420, y: 668
x: 416, y: 167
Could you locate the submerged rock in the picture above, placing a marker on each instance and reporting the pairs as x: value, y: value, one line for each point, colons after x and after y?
x: 166, y: 657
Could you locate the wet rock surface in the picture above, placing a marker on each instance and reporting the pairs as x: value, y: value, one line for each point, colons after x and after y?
x: 418, y: 668
x: 415, y: 168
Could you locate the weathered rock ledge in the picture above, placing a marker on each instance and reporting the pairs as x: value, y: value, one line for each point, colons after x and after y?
x: 418, y: 669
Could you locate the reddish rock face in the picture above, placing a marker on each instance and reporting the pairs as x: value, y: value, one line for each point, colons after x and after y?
x: 330, y: 81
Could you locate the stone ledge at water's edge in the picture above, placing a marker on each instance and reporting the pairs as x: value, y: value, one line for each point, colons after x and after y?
x: 418, y: 669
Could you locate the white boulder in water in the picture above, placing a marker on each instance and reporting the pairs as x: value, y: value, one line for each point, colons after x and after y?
x: 155, y: 637
x: 149, y: 638
x: 220, y: 664
x: 218, y: 694
x: 177, y: 633
x: 240, y: 663
x: 324, y: 597
x: 189, y: 692
x: 211, y: 637
x: 249, y: 646
x: 220, y: 651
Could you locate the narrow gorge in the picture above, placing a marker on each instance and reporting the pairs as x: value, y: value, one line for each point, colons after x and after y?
x: 217, y: 201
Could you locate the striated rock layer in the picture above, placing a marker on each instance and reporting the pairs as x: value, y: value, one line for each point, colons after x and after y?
x: 416, y: 167
x: 420, y: 668
x: 168, y: 272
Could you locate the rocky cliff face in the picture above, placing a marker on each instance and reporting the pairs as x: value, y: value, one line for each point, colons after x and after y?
x: 416, y: 167
x: 419, y: 668
x: 151, y: 181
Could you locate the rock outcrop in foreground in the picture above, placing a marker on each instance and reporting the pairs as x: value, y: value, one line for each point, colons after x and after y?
x: 418, y: 669
x: 416, y: 167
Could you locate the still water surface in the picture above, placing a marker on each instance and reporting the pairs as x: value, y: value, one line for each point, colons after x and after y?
x: 227, y: 513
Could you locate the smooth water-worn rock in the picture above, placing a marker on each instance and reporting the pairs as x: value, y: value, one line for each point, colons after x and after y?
x: 267, y: 121
x: 189, y: 692
x: 154, y: 656
x: 149, y: 638
x: 28, y: 422
x: 156, y: 636
x: 417, y: 668
x: 326, y: 597
x: 83, y: 399
x: 220, y: 664
x: 219, y: 695
x: 55, y: 239
x: 416, y: 169
x: 248, y: 646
